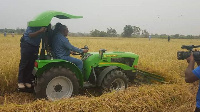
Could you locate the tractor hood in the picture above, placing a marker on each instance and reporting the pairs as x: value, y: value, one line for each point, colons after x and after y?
x: 44, y: 18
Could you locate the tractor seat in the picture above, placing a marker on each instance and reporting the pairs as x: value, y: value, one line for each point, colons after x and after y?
x: 48, y: 42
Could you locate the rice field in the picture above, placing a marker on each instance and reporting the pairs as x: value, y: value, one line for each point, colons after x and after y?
x: 156, y: 56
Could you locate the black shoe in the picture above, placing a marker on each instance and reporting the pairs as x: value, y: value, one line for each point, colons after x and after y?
x: 26, y: 90
x: 21, y: 89
x: 30, y: 90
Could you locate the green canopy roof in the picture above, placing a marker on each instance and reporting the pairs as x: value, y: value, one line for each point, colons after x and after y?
x: 44, y: 18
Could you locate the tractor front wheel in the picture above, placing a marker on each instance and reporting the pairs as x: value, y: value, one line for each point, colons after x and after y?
x: 115, y: 80
x: 57, y: 83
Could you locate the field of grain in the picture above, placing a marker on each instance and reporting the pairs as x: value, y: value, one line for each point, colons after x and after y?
x: 156, y: 56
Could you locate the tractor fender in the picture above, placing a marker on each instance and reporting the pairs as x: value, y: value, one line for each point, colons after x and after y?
x: 103, y: 74
x: 67, y: 65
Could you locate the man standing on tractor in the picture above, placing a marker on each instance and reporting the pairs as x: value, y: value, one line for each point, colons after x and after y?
x: 62, y: 47
x: 30, y: 43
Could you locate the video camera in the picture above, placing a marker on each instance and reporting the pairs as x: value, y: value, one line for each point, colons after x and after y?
x: 181, y: 55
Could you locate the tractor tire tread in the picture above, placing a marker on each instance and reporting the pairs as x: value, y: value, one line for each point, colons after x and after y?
x: 110, y: 77
x: 47, y: 76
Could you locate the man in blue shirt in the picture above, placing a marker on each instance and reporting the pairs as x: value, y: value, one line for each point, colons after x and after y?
x: 192, y: 75
x: 30, y: 43
x: 5, y: 34
x: 149, y: 37
x: 62, y: 47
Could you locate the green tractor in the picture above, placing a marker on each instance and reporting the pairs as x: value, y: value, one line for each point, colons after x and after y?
x: 57, y: 78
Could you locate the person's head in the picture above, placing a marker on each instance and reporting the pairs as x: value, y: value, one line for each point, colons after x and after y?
x: 61, y: 28
x: 64, y: 30
x: 57, y: 26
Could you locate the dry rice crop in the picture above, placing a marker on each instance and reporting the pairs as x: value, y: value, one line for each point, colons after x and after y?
x: 157, y: 56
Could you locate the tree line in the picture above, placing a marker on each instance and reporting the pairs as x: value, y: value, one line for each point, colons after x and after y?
x: 128, y: 31
x: 16, y: 31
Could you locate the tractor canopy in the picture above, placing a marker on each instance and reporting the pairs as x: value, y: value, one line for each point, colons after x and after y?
x: 44, y: 18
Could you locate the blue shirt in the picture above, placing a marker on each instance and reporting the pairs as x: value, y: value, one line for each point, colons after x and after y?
x: 62, y: 47
x: 196, y: 72
x: 35, y: 41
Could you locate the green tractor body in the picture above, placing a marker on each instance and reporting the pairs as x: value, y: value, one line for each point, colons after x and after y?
x: 57, y: 78
x: 98, y: 62
x: 126, y: 61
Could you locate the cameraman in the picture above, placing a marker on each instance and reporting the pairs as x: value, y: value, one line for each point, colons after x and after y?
x: 192, y: 75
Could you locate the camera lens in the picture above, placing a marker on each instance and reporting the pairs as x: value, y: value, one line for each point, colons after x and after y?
x: 181, y: 55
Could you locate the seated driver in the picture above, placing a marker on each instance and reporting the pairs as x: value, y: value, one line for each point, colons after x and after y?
x: 62, y: 47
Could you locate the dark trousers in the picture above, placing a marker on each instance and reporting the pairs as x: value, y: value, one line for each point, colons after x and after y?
x: 29, y: 54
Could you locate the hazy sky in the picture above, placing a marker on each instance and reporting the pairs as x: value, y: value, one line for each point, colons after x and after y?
x: 156, y: 16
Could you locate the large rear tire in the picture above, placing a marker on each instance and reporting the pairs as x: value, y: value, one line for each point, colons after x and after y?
x: 57, y: 83
x: 115, y: 80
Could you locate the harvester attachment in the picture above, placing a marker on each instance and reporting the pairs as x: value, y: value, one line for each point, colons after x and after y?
x: 147, y: 77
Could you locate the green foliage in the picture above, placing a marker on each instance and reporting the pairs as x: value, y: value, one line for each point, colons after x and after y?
x: 95, y: 33
x: 131, y: 31
x: 163, y: 36
x: 111, y: 32
x: 102, y: 34
x: 176, y: 35
x: 145, y: 33
x: 79, y: 34
x: 136, y: 30
x: 128, y: 30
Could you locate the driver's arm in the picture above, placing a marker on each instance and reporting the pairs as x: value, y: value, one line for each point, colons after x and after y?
x: 68, y: 45
x: 191, y: 74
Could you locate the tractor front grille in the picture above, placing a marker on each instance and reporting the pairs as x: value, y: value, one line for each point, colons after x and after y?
x: 126, y: 61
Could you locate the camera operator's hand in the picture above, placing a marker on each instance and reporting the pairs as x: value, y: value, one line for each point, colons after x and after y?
x: 198, y: 63
x: 189, y: 76
x: 191, y: 58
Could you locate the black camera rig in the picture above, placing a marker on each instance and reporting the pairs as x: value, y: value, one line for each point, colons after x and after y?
x: 181, y: 55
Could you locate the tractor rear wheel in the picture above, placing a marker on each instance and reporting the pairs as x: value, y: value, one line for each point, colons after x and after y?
x: 115, y: 80
x: 57, y: 83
